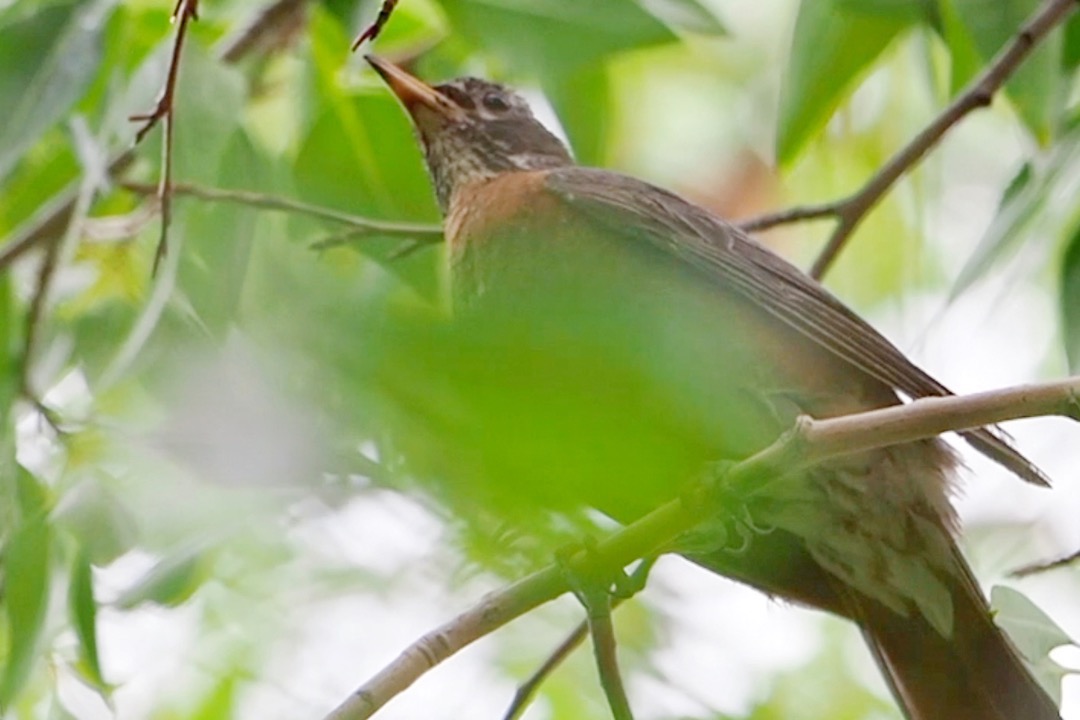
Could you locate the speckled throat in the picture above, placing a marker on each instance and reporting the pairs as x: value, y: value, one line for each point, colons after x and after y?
x: 460, y: 154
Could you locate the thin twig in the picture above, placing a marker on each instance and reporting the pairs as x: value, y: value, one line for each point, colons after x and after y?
x: 792, y: 215
x: 527, y: 690
x: 49, y: 221
x: 357, y: 223
x: 810, y: 442
x: 1036, y: 568
x: 851, y: 211
x: 372, y: 31
x: 184, y: 12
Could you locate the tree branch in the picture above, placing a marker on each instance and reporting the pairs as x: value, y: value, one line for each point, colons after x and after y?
x: 808, y: 443
x: 851, y: 211
x: 356, y: 223
x: 184, y: 12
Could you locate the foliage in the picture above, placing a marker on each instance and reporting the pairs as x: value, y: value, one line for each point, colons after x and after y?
x: 180, y: 443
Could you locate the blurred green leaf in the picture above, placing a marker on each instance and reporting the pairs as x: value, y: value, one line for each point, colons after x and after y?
x: 583, y: 102
x: 1070, y: 54
x: 101, y: 524
x: 1035, y: 88
x: 832, y: 48
x: 1034, y: 635
x: 49, y: 60
x: 83, y: 610
x: 964, y: 58
x: 689, y: 15
x: 359, y: 153
x: 907, y: 10
x: 170, y: 582
x: 26, y: 599
x: 210, y: 105
x: 561, y: 37
x: 9, y: 353
x: 220, y: 702
x: 45, y: 171
x: 1070, y: 297
x: 1034, y: 205
x: 214, y: 267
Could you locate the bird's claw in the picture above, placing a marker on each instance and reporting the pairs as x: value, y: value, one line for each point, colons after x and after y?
x: 731, y: 525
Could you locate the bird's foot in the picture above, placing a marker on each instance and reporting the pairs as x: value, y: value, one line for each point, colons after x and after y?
x: 592, y: 581
x: 730, y: 524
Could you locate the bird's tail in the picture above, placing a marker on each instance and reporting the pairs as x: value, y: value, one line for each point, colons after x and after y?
x: 976, y: 674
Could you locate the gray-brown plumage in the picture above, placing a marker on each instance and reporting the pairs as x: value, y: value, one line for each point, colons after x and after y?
x: 660, y: 338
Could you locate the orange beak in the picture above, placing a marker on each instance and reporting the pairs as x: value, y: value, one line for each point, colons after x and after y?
x: 413, y: 93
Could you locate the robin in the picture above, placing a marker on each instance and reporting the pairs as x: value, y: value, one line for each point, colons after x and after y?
x: 658, y: 338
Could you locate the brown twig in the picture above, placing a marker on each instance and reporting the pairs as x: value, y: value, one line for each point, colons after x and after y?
x: 34, y: 319
x: 50, y: 220
x: 808, y: 443
x: 527, y: 690
x: 372, y: 31
x: 357, y: 224
x: 184, y: 12
x: 1036, y: 568
x: 851, y: 210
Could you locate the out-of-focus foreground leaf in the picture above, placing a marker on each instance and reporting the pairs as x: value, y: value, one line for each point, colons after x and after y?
x: 1033, y: 208
x: 834, y: 45
x: 49, y: 59
x: 26, y: 589
x: 1070, y: 298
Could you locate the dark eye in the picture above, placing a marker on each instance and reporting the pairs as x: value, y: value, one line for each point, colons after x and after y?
x: 495, y: 102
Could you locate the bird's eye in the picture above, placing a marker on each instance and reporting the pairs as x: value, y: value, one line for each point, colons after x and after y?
x: 495, y: 102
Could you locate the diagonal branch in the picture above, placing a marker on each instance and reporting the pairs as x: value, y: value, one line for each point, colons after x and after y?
x: 357, y: 224
x: 851, y: 211
x: 808, y: 443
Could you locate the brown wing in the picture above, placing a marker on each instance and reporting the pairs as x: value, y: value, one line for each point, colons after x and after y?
x: 734, y: 259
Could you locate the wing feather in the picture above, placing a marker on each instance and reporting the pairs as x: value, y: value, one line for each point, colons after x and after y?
x: 736, y: 260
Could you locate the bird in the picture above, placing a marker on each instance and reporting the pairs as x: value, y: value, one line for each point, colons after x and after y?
x: 647, y: 337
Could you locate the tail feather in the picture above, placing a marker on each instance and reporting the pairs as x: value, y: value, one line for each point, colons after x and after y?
x: 976, y: 674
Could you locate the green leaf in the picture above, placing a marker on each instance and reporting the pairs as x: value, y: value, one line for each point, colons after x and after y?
x: 1038, y: 200
x: 210, y: 106
x: 561, y: 37
x: 1034, y: 635
x: 907, y: 10
x: 689, y: 15
x: 9, y: 352
x: 26, y: 587
x: 220, y: 235
x: 100, y: 523
x: 833, y: 47
x: 1070, y: 54
x: 49, y: 60
x: 1070, y: 298
x: 583, y: 103
x: 1035, y: 88
x: 170, y: 582
x: 83, y: 610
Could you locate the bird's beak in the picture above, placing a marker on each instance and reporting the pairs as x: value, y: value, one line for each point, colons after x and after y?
x: 413, y: 93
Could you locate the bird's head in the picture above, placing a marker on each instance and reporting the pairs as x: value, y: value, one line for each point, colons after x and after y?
x: 472, y: 130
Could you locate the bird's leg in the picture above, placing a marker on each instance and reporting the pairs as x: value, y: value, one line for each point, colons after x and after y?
x: 731, y: 524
